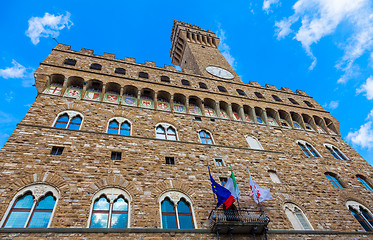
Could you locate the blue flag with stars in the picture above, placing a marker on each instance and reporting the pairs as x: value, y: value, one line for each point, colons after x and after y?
x: 221, y: 192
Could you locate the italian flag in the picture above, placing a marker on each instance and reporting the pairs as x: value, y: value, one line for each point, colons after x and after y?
x: 231, y: 185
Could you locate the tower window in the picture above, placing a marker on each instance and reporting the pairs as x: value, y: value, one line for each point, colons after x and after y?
x: 143, y: 75
x: 222, y: 89
x: 205, y: 137
x: 241, y: 92
x: 293, y: 101
x: 165, y: 131
x: 333, y: 179
x: 95, y: 66
x: 116, y: 156
x: 165, y: 79
x: 337, y: 154
x: 170, y: 160
x: 309, y: 104
x: 202, y: 85
x: 70, y: 62
x: 185, y: 82
x: 258, y: 95
x: 364, y: 182
x: 120, y: 71
x: 56, y: 150
x: 219, y: 162
x: 308, y: 149
x: 276, y: 98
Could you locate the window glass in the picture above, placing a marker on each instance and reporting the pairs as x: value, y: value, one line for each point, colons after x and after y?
x: 185, y: 216
x: 365, y: 183
x: 161, y: 133
x: 171, y: 134
x: 302, y: 220
x: 334, y: 181
x: 119, y: 213
x: 253, y: 143
x: 125, y: 129
x: 367, y: 227
x: 75, y: 123
x: 100, y: 213
x: 168, y: 215
x: 62, y: 121
x: 205, y: 137
x: 20, y: 212
x: 113, y: 127
x: 259, y: 120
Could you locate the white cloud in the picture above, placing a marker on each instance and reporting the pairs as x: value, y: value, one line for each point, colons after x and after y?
x: 364, y: 136
x: 224, y: 48
x: 267, y: 4
x: 16, y: 71
x: 332, y: 105
x: 9, y: 96
x: 367, y: 88
x: 320, y: 18
x: 49, y: 25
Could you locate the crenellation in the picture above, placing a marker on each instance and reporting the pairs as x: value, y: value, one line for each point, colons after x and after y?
x: 285, y: 89
x: 149, y: 63
x: 169, y: 67
x: 86, y: 51
x: 256, y: 84
x: 269, y: 86
x: 130, y: 59
x: 109, y: 55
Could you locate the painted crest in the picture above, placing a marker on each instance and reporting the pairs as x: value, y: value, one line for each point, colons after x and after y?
x: 74, y: 93
x: 53, y: 90
x: 179, y: 108
x: 236, y: 117
x: 92, y: 96
x: 127, y: 100
x: 111, y: 98
x: 164, y: 106
x: 223, y: 114
x: 194, y: 110
x: 146, y: 103
x: 319, y: 129
x: 247, y: 118
x: 272, y: 121
x: 210, y: 112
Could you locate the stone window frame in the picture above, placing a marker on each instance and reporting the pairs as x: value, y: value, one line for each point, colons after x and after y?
x: 334, y: 180
x: 255, y: 139
x: 219, y: 160
x: 365, y: 182
x: 336, y: 151
x: 304, y: 143
x: 71, y: 114
x: 175, y: 197
x: 291, y: 211
x: 357, y: 207
x: 212, y: 138
x: 37, y: 191
x: 120, y: 121
x: 165, y: 127
x: 112, y: 194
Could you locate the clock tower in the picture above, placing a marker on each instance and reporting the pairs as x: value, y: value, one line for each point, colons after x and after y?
x: 196, y: 50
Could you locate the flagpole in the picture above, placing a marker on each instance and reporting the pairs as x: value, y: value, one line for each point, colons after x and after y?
x: 208, y: 166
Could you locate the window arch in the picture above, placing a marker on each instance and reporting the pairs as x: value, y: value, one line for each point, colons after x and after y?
x: 297, y: 218
x: 166, y: 131
x: 176, y: 210
x: 32, y: 207
x: 308, y: 149
x: 185, y: 82
x: 241, y: 92
x: 143, y: 75
x: 258, y: 95
x: 119, y: 125
x: 110, y: 208
x: 69, y: 120
x: 222, y: 89
x: 254, y: 143
x: 95, y: 66
x: 69, y: 61
x: 334, y: 180
x: 202, y: 85
x: 165, y: 79
x: 120, y: 71
x: 361, y: 214
x: 205, y: 137
x: 364, y: 181
x: 337, y: 154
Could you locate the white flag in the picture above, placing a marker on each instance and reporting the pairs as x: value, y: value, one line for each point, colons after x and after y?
x: 259, y: 194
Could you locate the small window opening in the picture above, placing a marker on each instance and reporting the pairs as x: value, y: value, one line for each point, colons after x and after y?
x: 116, y: 156
x: 219, y: 162
x: 70, y: 62
x: 95, y: 66
x: 293, y: 101
x: 185, y: 82
x: 120, y: 71
x: 258, y: 95
x: 57, y: 150
x: 143, y: 75
x: 170, y: 160
x: 309, y: 104
x: 222, y: 89
x: 223, y: 181
x: 199, y: 119
x: 165, y: 79
x: 276, y: 98
x: 202, y: 85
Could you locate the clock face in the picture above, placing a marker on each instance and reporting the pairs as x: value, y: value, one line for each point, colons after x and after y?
x: 220, y: 72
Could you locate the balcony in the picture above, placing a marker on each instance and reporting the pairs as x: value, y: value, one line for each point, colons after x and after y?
x: 238, y: 221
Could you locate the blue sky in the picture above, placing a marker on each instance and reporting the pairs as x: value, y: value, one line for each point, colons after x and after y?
x: 324, y: 47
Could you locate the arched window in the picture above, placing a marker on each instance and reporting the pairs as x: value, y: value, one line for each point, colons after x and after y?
x: 276, y: 98
x: 309, y: 104
x: 308, y: 149
x: 143, y: 75
x: 70, y: 62
x: 253, y: 143
x: 297, y: 218
x: 361, y: 214
x: 185, y: 82
x: 333, y: 179
x: 69, y: 120
x: 202, y: 85
x: 274, y: 177
x: 335, y: 152
x: 176, y: 211
x: 205, y: 137
x: 95, y: 66
x: 293, y: 101
x: 33, y: 207
x: 119, y: 126
x: 222, y: 89
x: 258, y: 95
x: 120, y: 71
x: 165, y: 79
x: 110, y: 209
x: 241, y: 92
x: 165, y: 131
x: 363, y: 181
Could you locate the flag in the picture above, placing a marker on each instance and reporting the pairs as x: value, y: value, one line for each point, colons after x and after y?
x: 231, y: 185
x: 223, y: 195
x: 259, y: 194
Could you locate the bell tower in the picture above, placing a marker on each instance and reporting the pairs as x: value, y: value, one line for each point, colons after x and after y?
x: 196, y: 49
